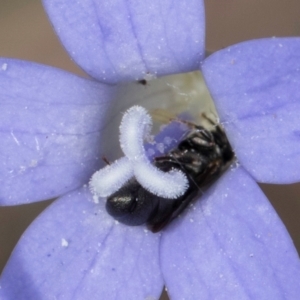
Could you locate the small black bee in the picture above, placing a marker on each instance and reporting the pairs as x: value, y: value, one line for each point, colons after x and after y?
x: 142, y: 81
x: 202, y: 156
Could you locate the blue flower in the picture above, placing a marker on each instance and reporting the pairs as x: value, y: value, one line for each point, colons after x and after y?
x: 230, y: 245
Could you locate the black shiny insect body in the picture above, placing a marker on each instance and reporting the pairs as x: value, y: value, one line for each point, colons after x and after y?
x: 202, y: 155
x: 142, y: 81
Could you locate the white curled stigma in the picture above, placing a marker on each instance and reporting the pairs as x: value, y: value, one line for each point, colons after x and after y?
x: 111, y: 178
x: 135, y: 127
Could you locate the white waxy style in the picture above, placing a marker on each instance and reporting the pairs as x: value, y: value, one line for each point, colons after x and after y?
x: 134, y: 129
x: 111, y: 178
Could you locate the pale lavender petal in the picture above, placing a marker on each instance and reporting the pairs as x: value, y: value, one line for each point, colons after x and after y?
x: 230, y: 245
x: 50, y: 124
x: 75, y: 250
x: 255, y: 86
x: 121, y: 40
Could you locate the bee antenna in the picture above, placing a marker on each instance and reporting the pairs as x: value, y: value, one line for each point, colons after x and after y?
x: 105, y: 160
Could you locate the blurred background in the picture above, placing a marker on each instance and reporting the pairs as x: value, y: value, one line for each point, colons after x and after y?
x: 26, y: 33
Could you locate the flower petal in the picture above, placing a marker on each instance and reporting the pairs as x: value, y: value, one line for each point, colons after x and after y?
x: 75, y: 250
x: 255, y: 86
x: 50, y: 124
x: 128, y: 40
x: 230, y: 245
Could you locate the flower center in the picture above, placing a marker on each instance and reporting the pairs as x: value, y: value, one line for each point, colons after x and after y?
x: 165, y: 98
x: 153, y: 183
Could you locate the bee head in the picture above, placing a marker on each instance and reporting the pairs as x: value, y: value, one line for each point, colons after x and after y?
x: 131, y: 204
